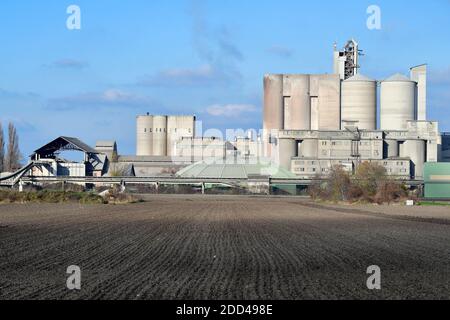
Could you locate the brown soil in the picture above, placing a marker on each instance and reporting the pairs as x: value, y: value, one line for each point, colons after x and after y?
x: 193, y: 247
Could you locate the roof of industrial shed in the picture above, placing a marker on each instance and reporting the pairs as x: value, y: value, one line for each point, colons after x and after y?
x: 360, y: 77
x: 398, y: 77
x: 65, y: 143
x: 240, y: 169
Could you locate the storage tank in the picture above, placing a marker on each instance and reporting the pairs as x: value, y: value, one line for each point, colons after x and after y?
x: 144, y: 139
x: 397, y: 102
x: 359, y: 102
x: 287, y: 149
x: 273, y: 109
x: 416, y: 150
x: 160, y: 136
x: 298, y: 110
x: 273, y: 102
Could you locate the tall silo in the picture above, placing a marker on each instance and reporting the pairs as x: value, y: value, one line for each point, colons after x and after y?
x: 298, y: 109
x: 273, y: 108
x: 397, y: 102
x: 359, y: 102
x: 160, y: 136
x: 144, y: 139
x: 273, y: 102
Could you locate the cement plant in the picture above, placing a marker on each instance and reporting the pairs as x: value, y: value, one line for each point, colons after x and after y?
x: 312, y: 123
x: 342, y: 194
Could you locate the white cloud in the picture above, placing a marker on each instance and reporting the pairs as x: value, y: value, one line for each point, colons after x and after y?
x: 230, y: 110
x: 109, y: 98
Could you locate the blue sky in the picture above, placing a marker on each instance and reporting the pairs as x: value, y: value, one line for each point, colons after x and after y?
x: 194, y: 57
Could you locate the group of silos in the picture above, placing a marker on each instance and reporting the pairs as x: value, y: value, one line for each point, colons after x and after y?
x: 292, y: 102
x: 397, y: 102
x: 156, y: 135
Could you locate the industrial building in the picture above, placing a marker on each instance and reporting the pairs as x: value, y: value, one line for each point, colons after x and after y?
x: 157, y: 135
x: 50, y: 163
x: 437, y: 180
x: 312, y: 122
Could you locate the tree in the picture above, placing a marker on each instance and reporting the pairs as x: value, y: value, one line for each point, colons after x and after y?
x: 13, y: 155
x: 368, y: 177
x: 2, y: 149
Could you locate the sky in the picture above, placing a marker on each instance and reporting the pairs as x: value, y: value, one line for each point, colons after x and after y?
x: 202, y: 57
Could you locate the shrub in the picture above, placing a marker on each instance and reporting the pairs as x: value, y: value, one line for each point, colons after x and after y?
x: 370, y: 183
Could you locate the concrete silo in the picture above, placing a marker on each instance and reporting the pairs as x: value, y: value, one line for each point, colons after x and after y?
x: 397, y: 105
x: 359, y: 102
x: 273, y: 102
x: 297, y: 102
x: 287, y: 149
x: 273, y: 109
x: 416, y: 151
x: 144, y: 130
x: 308, y: 148
x: 159, y: 136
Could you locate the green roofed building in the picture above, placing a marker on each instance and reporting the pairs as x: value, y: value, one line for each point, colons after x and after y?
x: 437, y: 180
x: 237, y: 169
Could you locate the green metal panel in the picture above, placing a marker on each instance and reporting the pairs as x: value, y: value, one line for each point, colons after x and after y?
x: 437, y: 180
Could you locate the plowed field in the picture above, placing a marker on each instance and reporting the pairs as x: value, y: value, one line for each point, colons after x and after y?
x: 223, y: 248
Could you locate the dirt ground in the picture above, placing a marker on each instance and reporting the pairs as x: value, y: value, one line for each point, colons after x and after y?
x: 194, y: 247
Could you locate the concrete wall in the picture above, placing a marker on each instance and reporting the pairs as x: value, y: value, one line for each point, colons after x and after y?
x: 298, y: 109
x: 329, y: 102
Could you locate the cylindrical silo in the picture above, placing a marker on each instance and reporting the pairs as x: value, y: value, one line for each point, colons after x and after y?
x: 273, y: 109
x: 416, y: 151
x: 273, y: 102
x: 287, y: 149
x: 391, y: 148
x: 160, y: 136
x: 308, y: 148
x: 359, y: 102
x: 299, y: 117
x: 144, y: 139
x: 397, y: 102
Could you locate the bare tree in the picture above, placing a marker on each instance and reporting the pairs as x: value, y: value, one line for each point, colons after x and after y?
x: 2, y: 149
x: 13, y: 154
